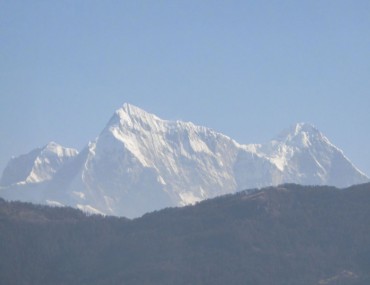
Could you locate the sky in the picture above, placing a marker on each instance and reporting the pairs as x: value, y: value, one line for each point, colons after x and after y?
x: 248, y: 69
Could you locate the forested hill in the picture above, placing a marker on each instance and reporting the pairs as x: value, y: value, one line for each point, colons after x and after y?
x: 284, y: 235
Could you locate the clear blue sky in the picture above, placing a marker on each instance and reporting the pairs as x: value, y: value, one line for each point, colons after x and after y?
x: 244, y: 68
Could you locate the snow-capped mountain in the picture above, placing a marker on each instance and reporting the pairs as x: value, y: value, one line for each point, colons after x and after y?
x: 37, y: 166
x: 141, y: 163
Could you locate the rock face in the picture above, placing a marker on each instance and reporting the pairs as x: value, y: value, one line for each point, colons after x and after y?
x: 140, y: 163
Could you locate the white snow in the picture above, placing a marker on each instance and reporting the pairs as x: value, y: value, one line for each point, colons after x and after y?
x: 141, y: 163
x: 188, y: 198
x: 54, y: 203
x: 89, y: 209
x: 161, y: 180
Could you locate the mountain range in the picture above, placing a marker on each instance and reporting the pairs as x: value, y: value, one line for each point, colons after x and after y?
x: 141, y: 163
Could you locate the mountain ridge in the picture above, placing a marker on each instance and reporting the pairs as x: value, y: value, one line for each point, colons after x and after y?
x: 285, y: 235
x: 141, y: 163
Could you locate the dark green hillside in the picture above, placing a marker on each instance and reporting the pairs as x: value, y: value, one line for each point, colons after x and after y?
x: 284, y: 235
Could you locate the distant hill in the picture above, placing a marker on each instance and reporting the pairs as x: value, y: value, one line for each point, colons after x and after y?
x: 140, y: 163
x: 291, y: 234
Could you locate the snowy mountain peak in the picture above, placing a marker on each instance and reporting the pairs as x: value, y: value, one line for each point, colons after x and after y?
x: 134, y: 113
x: 302, y: 135
x: 132, y: 109
x: 304, y: 127
x: 297, y: 129
x: 128, y: 110
x: 131, y: 117
x: 38, y: 165
x: 58, y: 150
x: 52, y: 144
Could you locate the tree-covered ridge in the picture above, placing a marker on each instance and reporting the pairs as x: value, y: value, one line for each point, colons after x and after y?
x: 289, y: 234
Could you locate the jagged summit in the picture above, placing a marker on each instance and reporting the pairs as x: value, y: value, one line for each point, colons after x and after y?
x: 131, y: 111
x: 304, y: 127
x: 37, y: 166
x: 130, y: 117
x: 301, y: 133
x: 141, y: 163
x: 58, y: 149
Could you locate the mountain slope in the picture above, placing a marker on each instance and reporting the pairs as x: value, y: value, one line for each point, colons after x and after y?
x: 140, y: 163
x: 286, y: 235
